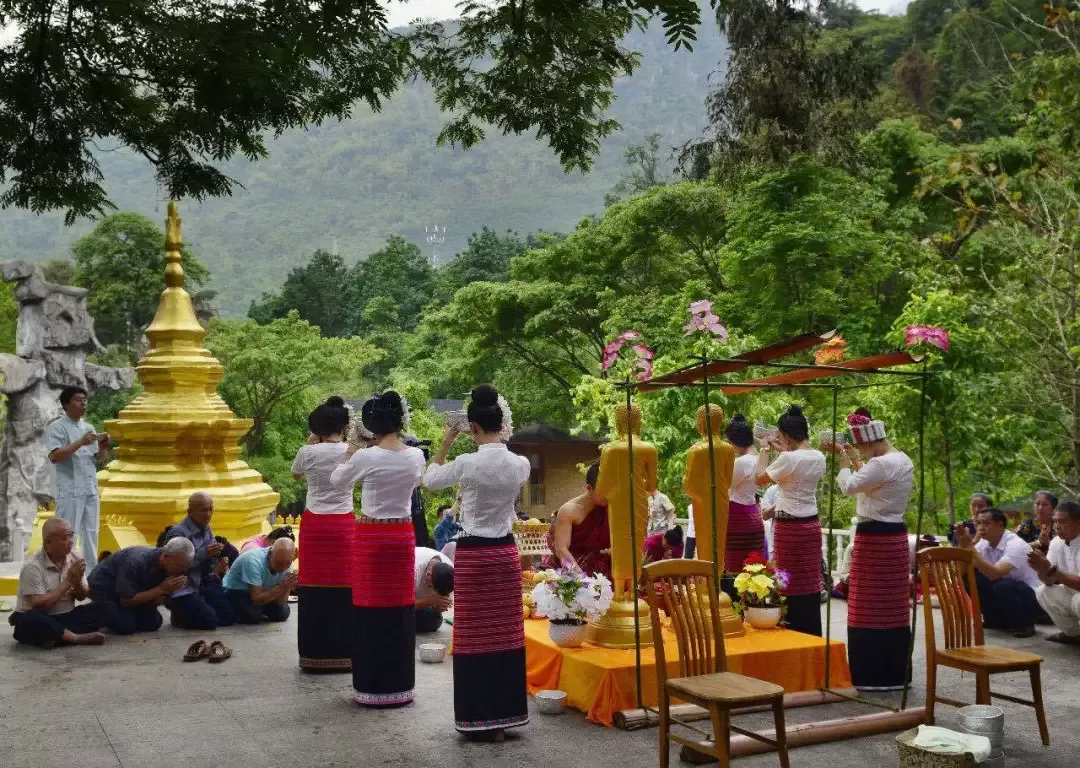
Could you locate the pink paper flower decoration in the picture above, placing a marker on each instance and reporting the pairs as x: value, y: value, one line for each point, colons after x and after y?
x: 702, y: 320
x: 642, y: 366
x: 857, y: 420
x: 934, y: 335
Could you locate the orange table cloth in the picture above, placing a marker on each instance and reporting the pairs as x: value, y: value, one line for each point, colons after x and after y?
x: 600, y: 681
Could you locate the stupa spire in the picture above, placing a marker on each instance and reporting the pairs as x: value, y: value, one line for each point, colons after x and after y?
x: 179, y: 436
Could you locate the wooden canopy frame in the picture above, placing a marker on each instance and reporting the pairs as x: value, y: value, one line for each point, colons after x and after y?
x: 795, y: 376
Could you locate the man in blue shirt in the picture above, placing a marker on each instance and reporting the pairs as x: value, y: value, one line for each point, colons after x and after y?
x: 447, y: 528
x: 130, y: 584
x: 75, y: 451
x: 259, y: 582
x: 201, y: 603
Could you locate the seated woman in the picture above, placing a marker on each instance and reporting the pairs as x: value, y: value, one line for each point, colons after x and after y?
x: 1038, y: 531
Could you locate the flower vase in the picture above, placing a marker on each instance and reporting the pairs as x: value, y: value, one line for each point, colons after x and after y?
x: 567, y: 633
x: 762, y: 618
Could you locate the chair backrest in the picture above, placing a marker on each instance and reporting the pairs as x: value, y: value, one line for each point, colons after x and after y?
x: 951, y: 571
x: 677, y: 586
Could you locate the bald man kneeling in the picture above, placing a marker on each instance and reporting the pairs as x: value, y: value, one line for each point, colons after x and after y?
x: 49, y: 584
x: 201, y: 603
x: 259, y: 582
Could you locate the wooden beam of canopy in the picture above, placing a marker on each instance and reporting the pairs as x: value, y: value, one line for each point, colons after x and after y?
x: 737, y: 363
x: 802, y: 375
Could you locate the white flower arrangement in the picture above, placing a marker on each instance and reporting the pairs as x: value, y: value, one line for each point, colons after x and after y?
x: 507, y: 419
x: 572, y: 596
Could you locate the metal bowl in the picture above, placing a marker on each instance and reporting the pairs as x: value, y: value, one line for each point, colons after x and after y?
x: 996, y: 760
x: 432, y: 653
x: 551, y: 702
x: 982, y: 719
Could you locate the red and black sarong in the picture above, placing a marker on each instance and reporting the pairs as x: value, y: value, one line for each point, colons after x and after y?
x: 879, y: 607
x: 324, y: 592
x: 797, y: 550
x: 489, y: 636
x: 745, y: 534
x: 384, y: 624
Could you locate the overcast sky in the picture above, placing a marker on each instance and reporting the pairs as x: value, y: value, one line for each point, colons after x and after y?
x: 403, y: 12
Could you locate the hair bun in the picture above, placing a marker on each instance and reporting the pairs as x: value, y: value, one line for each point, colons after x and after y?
x: 795, y: 410
x: 335, y: 402
x: 864, y: 412
x: 738, y: 417
x: 390, y: 400
x: 485, y: 396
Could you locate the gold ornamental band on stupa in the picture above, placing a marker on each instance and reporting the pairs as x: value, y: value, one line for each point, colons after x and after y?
x: 179, y: 436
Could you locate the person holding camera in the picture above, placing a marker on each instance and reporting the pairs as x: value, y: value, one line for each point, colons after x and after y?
x: 75, y: 450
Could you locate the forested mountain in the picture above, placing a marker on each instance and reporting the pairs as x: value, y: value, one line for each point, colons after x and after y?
x: 349, y: 185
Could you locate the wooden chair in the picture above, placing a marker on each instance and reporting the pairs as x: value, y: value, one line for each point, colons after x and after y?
x: 703, y: 676
x: 950, y: 568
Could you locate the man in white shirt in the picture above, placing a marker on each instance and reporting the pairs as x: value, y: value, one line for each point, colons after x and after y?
x: 434, y: 585
x: 1005, y: 581
x: 661, y: 513
x: 1059, y: 572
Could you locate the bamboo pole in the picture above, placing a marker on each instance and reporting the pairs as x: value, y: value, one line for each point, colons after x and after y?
x: 824, y: 731
x: 636, y: 719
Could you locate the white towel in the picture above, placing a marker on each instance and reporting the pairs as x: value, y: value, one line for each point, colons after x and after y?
x: 945, y: 742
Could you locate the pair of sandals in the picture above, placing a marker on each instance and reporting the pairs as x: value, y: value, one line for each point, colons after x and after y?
x: 216, y: 651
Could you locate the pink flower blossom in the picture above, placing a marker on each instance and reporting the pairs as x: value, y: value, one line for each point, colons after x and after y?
x: 857, y: 420
x: 934, y: 335
x: 703, y: 320
x: 626, y: 336
x: 643, y: 351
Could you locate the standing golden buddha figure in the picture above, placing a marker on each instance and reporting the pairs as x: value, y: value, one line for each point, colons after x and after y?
x: 705, y: 487
x: 179, y: 436
x: 615, y: 629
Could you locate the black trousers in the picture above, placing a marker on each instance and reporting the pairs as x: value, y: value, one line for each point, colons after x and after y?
x: 129, y: 619
x: 1007, y: 603
x: 249, y: 613
x: 428, y: 620
x: 43, y: 629
x: 206, y: 609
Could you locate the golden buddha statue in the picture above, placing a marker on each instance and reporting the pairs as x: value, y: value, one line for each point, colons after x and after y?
x: 616, y: 628
x: 707, y: 488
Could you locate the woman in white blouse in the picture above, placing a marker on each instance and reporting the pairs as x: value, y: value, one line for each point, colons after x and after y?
x: 797, y: 469
x: 879, y: 588
x: 489, y: 631
x: 327, y: 531
x: 745, y: 528
x: 383, y: 584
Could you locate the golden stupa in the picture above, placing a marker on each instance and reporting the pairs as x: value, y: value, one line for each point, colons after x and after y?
x: 179, y: 436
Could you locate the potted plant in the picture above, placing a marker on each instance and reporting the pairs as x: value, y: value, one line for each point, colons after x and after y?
x: 569, y: 599
x: 760, y: 586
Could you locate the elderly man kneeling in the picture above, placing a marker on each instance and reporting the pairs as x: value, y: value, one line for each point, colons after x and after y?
x: 130, y: 584
x: 49, y: 584
x: 259, y: 582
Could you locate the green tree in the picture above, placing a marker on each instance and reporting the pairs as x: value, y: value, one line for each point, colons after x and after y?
x: 273, y: 369
x: 487, y: 258
x: 9, y: 317
x: 191, y: 83
x: 399, y: 272
x: 314, y: 291
x: 122, y: 263
x: 59, y: 271
x: 642, y: 170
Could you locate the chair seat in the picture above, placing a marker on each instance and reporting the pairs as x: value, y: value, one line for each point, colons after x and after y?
x: 724, y: 686
x: 989, y: 657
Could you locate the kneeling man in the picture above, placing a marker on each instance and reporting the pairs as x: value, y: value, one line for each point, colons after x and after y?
x: 49, y: 584
x: 201, y: 603
x: 1059, y: 571
x: 1005, y: 581
x: 434, y: 585
x: 130, y: 584
x: 259, y: 582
